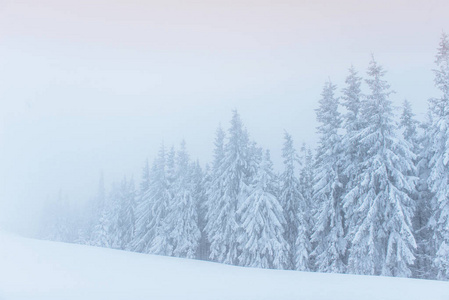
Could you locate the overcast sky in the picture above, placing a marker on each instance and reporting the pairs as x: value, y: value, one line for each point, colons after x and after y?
x: 93, y: 85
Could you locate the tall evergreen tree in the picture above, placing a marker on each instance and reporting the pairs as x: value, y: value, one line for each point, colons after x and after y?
x: 329, y: 236
x: 263, y: 222
x: 380, y: 223
x: 160, y: 200
x: 291, y: 199
x: 101, y: 235
x: 106, y: 233
x: 424, y: 266
x: 228, y: 188
x: 127, y: 214
x: 352, y: 153
x: 409, y: 127
x: 201, y: 181
x: 143, y: 232
x: 438, y: 179
x: 183, y: 213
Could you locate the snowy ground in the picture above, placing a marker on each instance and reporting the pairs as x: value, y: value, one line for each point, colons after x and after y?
x: 32, y: 269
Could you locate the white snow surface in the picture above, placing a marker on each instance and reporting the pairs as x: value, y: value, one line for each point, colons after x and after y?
x: 34, y: 269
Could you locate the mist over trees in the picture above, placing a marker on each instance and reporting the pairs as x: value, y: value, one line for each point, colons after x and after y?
x: 372, y: 199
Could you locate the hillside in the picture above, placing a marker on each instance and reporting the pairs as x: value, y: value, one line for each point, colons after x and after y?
x: 34, y: 269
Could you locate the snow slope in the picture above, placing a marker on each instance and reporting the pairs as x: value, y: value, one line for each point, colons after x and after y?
x: 33, y: 269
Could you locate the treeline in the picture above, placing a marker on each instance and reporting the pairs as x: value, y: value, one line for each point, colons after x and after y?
x: 372, y: 199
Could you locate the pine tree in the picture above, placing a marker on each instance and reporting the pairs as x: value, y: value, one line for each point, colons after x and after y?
x: 127, y: 214
x: 352, y: 154
x: 183, y: 214
x: 329, y: 236
x: 102, y: 231
x: 106, y: 233
x: 263, y: 222
x: 424, y: 267
x: 409, y: 127
x: 143, y: 232
x: 380, y: 223
x: 228, y: 188
x: 291, y: 199
x: 200, y: 182
x: 160, y: 200
x: 438, y: 179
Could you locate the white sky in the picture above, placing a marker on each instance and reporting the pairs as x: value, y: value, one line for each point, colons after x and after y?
x: 98, y: 85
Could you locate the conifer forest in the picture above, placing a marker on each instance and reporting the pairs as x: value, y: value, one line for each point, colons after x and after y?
x: 371, y: 198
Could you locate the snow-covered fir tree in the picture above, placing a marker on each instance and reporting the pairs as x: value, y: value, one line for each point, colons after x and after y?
x: 183, y: 214
x: 143, y: 231
x: 328, y: 237
x: 352, y: 154
x: 127, y: 214
x: 409, y: 127
x: 424, y: 267
x: 262, y: 219
x: 382, y: 240
x: 160, y: 200
x: 102, y: 235
x: 106, y: 233
x: 228, y: 188
x: 201, y: 181
x: 438, y: 179
x: 291, y: 200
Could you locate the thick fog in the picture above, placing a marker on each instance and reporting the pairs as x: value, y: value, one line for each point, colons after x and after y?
x: 96, y: 86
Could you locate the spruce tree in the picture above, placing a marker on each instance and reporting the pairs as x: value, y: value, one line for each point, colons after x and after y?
x: 102, y: 231
x: 424, y: 266
x: 409, y: 128
x: 382, y: 240
x: 200, y: 181
x: 228, y: 188
x: 263, y: 222
x: 127, y: 214
x: 183, y: 214
x: 438, y: 179
x: 328, y: 237
x: 106, y: 232
x: 352, y: 153
x: 144, y: 232
x: 160, y: 200
x: 291, y: 199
